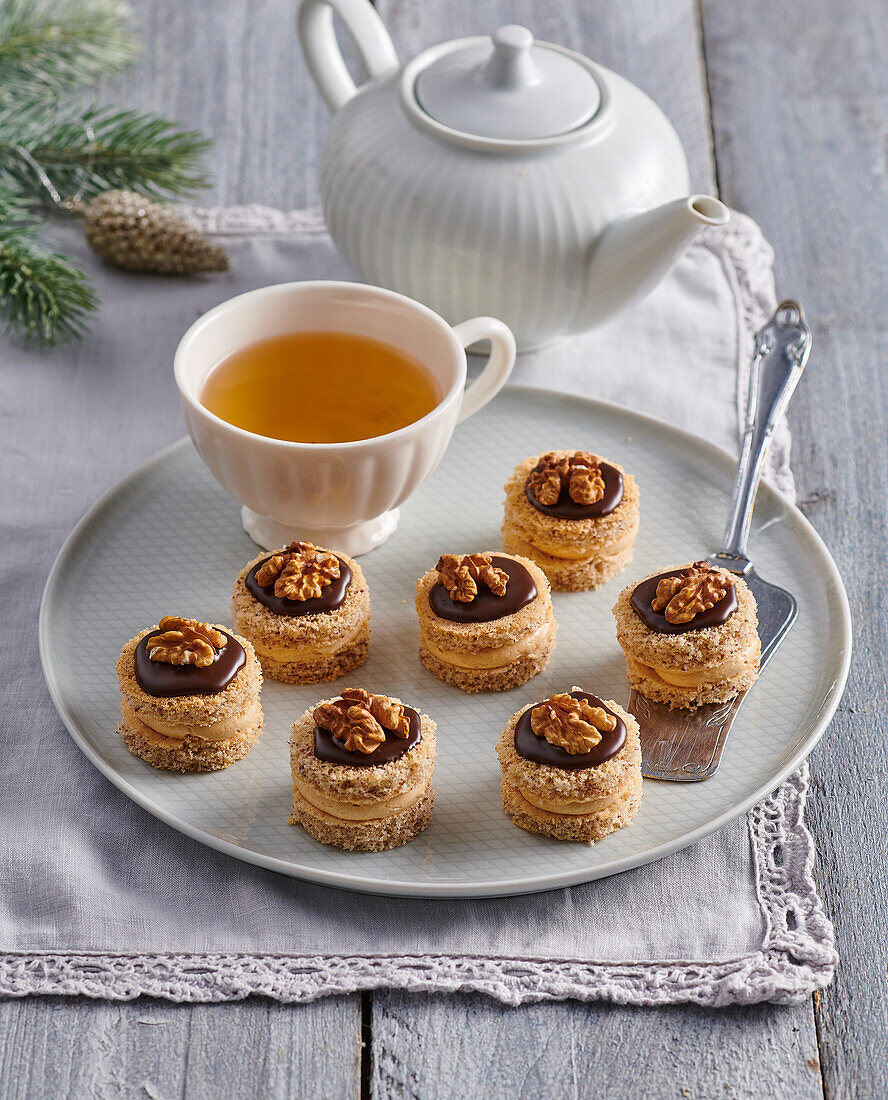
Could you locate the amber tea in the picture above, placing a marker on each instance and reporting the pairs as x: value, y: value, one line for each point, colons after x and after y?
x: 320, y: 387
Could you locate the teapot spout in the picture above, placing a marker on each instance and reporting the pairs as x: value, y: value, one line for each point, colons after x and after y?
x: 634, y: 253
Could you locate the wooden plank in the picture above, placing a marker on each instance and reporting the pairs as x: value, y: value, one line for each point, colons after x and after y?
x: 467, y: 1046
x: 258, y: 1048
x: 233, y: 70
x: 800, y: 114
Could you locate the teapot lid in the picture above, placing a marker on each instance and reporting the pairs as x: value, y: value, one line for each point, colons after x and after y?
x: 508, y: 87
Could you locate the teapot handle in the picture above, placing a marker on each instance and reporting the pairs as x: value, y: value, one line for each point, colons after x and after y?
x: 322, y: 53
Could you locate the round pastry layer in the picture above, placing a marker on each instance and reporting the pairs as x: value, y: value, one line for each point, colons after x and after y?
x: 710, y: 665
x: 316, y: 668
x: 575, y: 554
x: 719, y: 690
x: 572, y: 575
x: 585, y: 804
x: 374, y: 835
x: 188, y: 714
x: 190, y: 754
x: 410, y: 774
x: 491, y: 656
x: 306, y: 649
x: 516, y: 672
x: 585, y: 829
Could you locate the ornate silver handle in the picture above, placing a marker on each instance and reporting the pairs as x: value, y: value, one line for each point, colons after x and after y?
x: 782, y: 348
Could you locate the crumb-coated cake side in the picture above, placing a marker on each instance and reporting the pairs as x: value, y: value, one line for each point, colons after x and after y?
x: 306, y: 611
x: 575, y: 514
x: 571, y: 767
x: 189, y: 696
x: 486, y: 621
x: 362, y: 768
x: 689, y: 635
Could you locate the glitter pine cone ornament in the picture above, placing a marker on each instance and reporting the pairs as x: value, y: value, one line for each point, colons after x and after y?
x: 134, y: 233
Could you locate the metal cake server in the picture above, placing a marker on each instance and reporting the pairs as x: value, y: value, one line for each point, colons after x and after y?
x: 686, y: 746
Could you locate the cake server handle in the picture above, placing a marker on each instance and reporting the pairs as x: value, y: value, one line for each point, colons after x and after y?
x: 782, y: 348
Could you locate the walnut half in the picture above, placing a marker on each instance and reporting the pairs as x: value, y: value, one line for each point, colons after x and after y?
x: 573, y: 724
x: 301, y: 572
x: 185, y: 642
x: 695, y: 589
x: 461, y: 573
x: 360, y: 720
x: 581, y: 472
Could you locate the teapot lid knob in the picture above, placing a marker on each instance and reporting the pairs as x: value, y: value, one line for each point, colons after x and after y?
x: 507, y: 87
x: 511, y: 64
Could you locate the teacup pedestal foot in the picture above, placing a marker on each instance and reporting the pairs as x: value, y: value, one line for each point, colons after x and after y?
x: 358, y: 539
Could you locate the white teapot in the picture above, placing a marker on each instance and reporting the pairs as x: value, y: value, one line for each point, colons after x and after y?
x: 498, y: 176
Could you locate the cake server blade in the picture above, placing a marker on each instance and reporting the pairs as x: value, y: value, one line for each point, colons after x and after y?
x: 685, y: 746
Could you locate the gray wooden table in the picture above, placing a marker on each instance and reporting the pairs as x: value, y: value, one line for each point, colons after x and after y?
x: 783, y: 109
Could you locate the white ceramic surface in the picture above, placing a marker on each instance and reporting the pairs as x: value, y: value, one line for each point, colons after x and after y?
x: 553, y: 230
x: 470, y: 849
x: 341, y: 495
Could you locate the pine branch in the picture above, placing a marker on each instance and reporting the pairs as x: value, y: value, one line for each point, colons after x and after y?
x: 100, y: 150
x: 47, y: 47
x: 43, y: 297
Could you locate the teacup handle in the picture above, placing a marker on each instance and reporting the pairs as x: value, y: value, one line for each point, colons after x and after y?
x: 499, y: 364
x: 322, y: 53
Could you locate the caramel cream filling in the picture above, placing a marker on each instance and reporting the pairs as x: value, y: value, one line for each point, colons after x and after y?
x: 604, y: 552
x: 577, y: 809
x: 156, y: 730
x: 682, y: 678
x: 309, y: 651
x: 348, y: 811
x: 498, y: 656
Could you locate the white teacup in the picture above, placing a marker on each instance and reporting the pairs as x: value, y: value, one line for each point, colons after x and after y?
x: 341, y: 495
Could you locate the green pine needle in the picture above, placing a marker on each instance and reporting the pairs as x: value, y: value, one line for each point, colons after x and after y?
x: 47, y: 47
x: 43, y: 297
x: 101, y: 149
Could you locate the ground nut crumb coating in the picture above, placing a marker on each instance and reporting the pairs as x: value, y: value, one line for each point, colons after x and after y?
x: 362, y: 786
x: 535, y: 620
x: 192, y: 710
x: 193, y: 754
x: 585, y: 542
x: 564, y: 575
x: 618, y: 778
x: 190, y: 753
x: 694, y: 651
x: 365, y: 785
x: 364, y: 836
x: 343, y: 634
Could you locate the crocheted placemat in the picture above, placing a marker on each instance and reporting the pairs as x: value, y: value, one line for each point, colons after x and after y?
x: 102, y: 899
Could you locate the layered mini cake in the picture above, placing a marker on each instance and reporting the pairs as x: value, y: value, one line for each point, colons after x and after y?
x: 574, y: 514
x: 189, y: 696
x: 362, y: 771
x: 571, y: 767
x: 689, y: 635
x: 485, y: 621
x: 307, y: 612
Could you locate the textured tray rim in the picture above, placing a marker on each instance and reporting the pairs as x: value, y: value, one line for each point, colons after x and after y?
x: 508, y: 888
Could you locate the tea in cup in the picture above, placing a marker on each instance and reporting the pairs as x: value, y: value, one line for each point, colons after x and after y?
x: 321, y: 406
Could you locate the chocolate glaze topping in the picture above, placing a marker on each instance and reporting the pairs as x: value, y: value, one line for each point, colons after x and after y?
x: 168, y: 681
x: 645, y: 592
x: 531, y: 747
x: 331, y: 597
x: 485, y: 608
x: 565, y: 508
x: 330, y: 748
